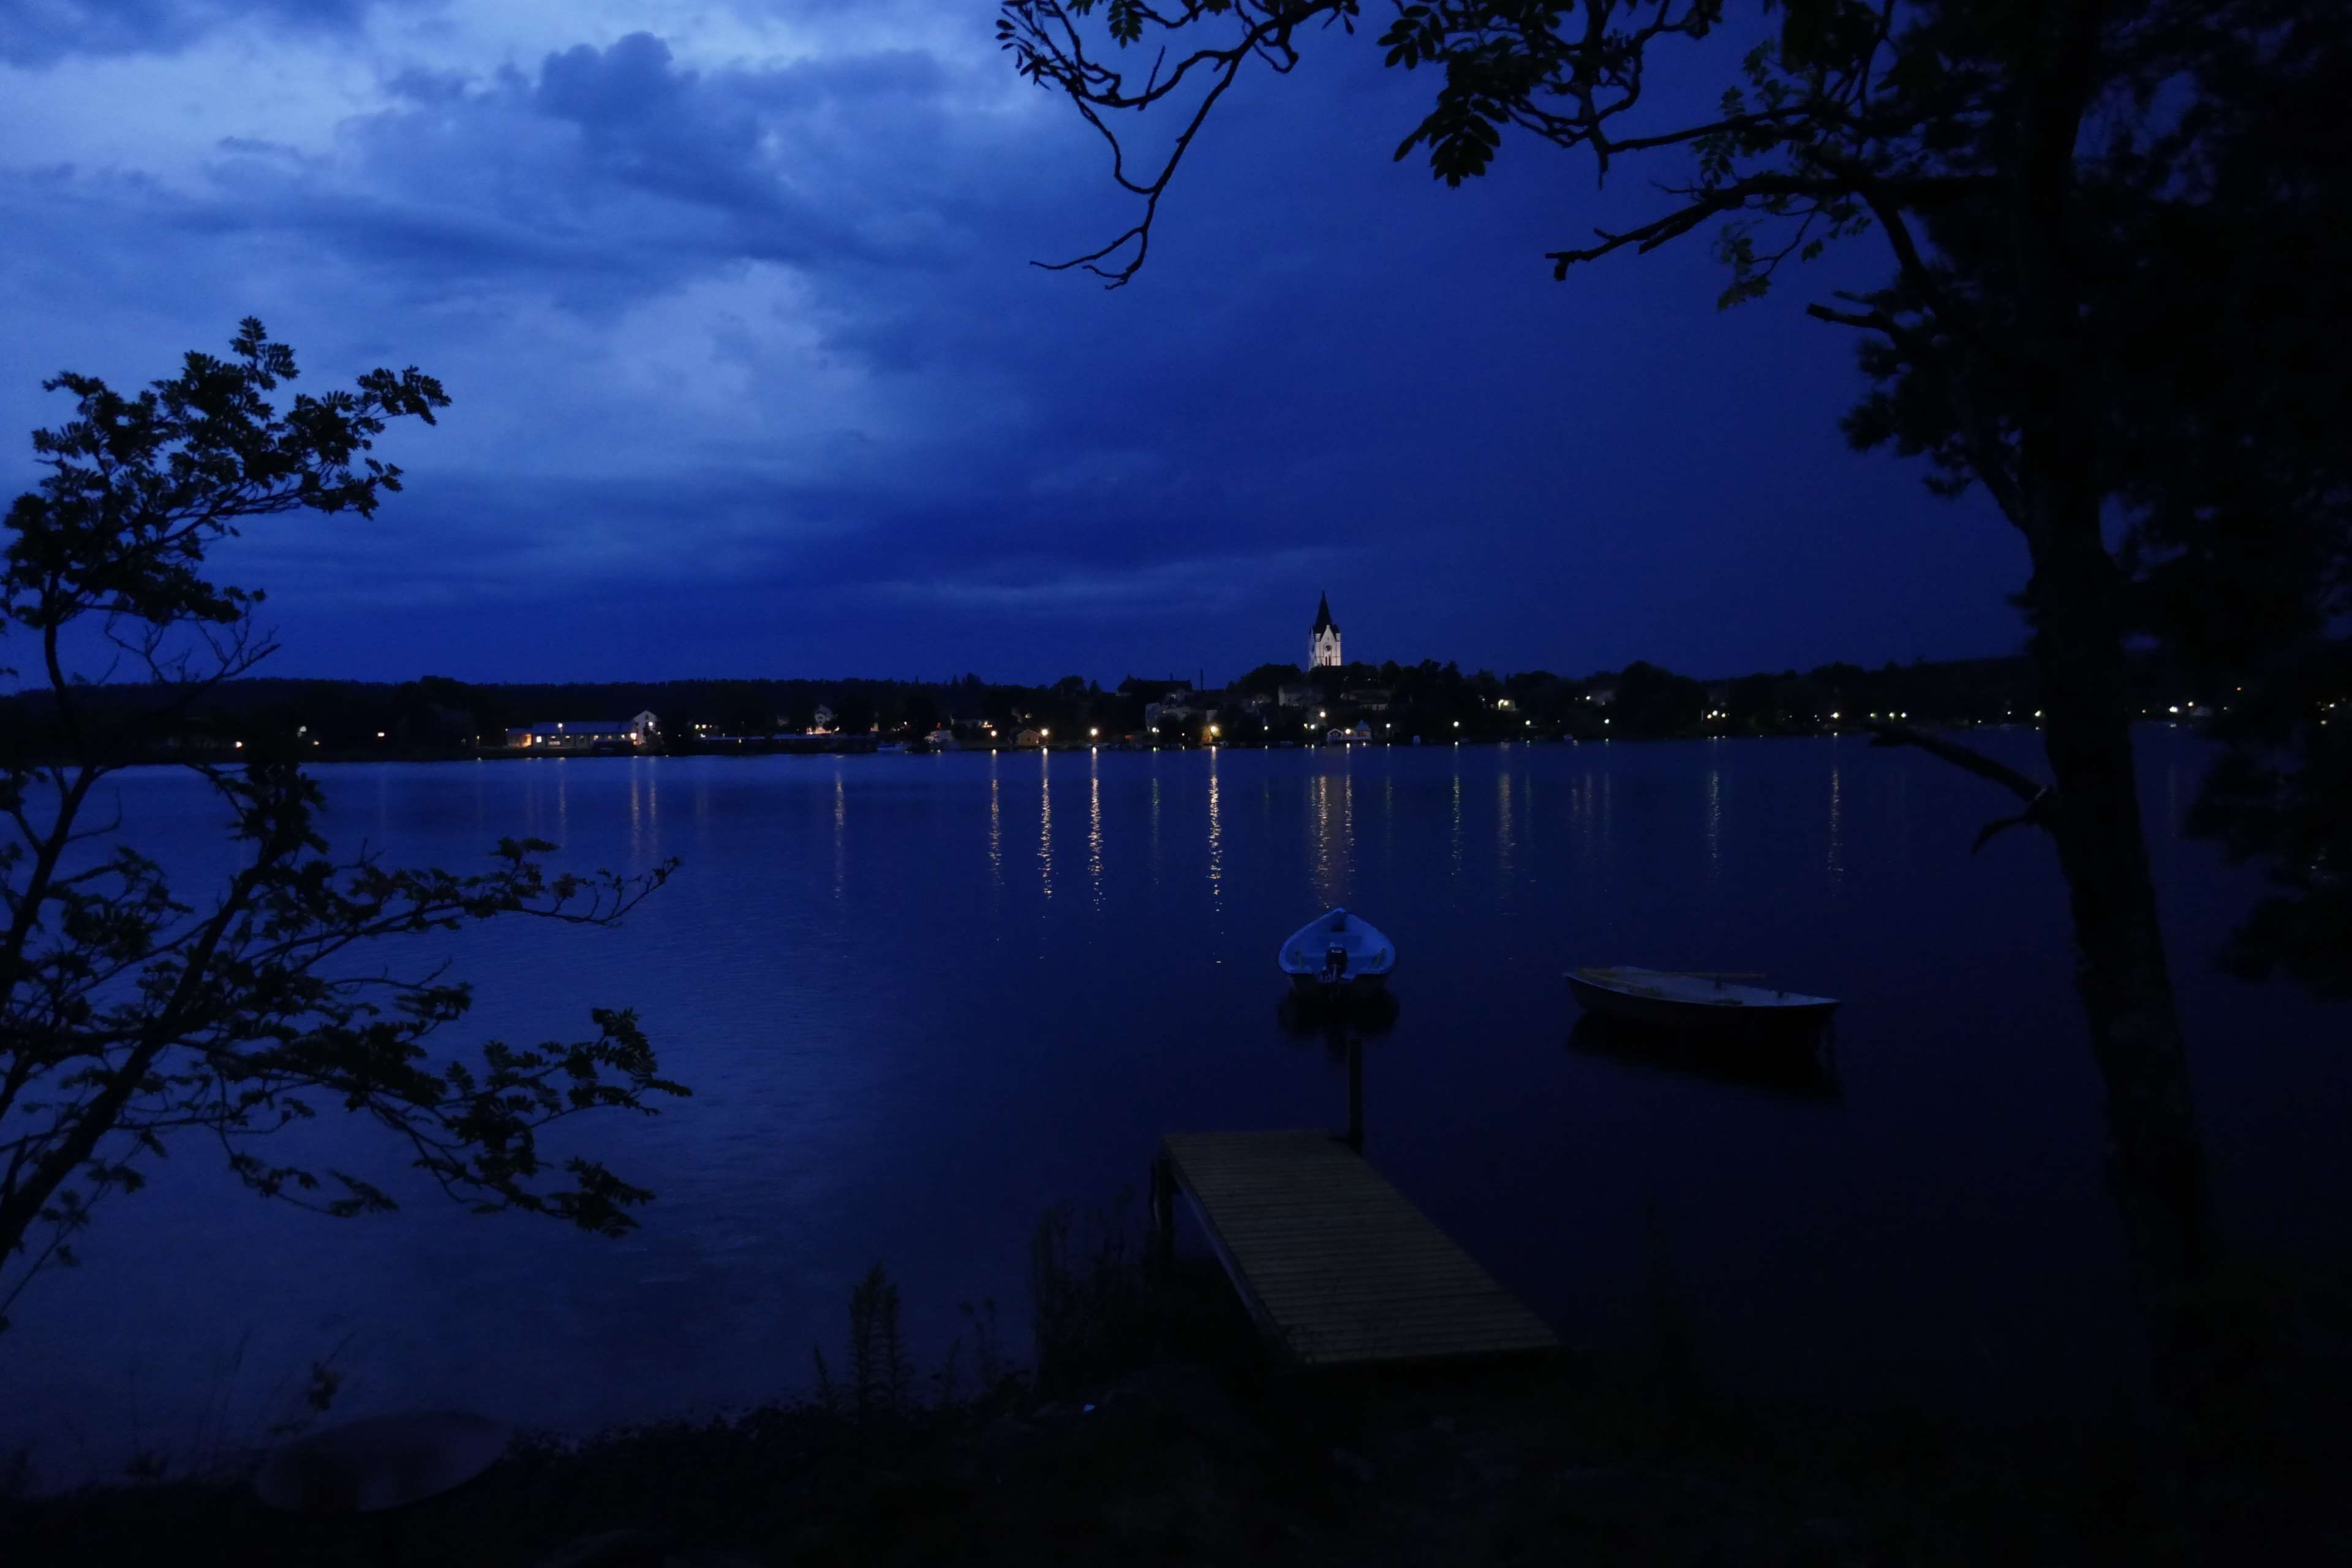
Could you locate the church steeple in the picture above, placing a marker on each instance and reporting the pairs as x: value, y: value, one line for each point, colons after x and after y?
x: 1323, y: 637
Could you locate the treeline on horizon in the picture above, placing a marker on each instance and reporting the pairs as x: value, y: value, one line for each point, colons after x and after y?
x: 438, y: 715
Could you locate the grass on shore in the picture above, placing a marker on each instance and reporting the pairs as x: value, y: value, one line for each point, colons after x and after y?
x: 1152, y: 1427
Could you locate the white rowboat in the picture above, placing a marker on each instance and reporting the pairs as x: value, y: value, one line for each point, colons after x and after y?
x: 1694, y: 1002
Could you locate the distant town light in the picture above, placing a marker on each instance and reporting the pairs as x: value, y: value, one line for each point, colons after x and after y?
x: 379, y: 734
x: 1833, y: 716
x: 1093, y: 734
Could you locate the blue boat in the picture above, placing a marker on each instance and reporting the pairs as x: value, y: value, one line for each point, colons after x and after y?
x: 1338, y: 953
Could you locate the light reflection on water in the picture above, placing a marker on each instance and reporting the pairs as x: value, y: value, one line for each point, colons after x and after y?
x: 1503, y: 845
x: 840, y: 833
x: 995, y: 826
x: 1713, y: 816
x: 1045, y: 823
x: 874, y: 1079
x: 1457, y: 813
x: 1093, y: 826
x: 1837, y: 826
x: 1216, y: 841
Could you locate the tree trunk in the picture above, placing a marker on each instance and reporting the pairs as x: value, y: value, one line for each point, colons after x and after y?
x: 2153, y: 1164
x: 2075, y: 602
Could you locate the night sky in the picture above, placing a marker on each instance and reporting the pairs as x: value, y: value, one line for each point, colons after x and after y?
x: 752, y: 376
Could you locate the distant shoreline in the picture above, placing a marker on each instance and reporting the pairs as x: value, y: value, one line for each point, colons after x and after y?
x: 869, y: 749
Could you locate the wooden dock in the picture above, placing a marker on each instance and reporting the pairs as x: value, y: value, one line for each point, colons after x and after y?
x: 1332, y: 1261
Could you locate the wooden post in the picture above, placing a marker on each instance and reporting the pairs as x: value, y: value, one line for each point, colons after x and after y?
x: 1356, y: 1093
x: 1163, y: 1211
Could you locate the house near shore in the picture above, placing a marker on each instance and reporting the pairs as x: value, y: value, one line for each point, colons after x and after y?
x: 569, y: 735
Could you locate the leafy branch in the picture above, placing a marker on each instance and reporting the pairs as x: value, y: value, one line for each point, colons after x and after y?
x: 131, y: 1014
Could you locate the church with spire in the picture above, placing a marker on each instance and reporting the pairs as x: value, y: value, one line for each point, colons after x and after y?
x: 1323, y: 640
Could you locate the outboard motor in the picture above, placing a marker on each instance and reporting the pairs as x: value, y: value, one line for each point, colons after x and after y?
x: 1335, y: 966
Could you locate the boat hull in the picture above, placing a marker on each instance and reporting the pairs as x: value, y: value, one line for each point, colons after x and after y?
x: 1700, y: 1017
x: 1370, y: 958
x: 1353, y: 986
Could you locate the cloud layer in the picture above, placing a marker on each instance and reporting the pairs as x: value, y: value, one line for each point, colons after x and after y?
x: 748, y: 358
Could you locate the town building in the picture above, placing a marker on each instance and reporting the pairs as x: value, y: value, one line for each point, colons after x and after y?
x: 567, y: 735
x: 1323, y: 639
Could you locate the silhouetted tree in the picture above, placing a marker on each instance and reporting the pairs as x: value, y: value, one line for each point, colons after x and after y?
x: 2031, y: 168
x: 1268, y: 680
x: 1653, y: 702
x: 133, y: 1012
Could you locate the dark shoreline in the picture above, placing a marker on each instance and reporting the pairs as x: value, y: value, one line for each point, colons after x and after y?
x: 868, y: 748
x: 1154, y: 1427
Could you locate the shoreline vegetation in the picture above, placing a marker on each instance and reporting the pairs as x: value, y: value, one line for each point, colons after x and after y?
x: 437, y: 719
x: 1152, y: 1425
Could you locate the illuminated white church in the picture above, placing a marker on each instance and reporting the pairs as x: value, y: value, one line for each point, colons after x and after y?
x: 1323, y: 641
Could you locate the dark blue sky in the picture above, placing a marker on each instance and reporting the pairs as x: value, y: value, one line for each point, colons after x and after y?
x: 752, y: 375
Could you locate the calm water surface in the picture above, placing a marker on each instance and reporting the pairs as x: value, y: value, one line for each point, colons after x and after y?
x: 919, y: 999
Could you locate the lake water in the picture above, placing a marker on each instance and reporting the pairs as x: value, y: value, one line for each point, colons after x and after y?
x: 921, y: 998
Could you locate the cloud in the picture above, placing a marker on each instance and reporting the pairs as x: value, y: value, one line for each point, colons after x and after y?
x: 40, y: 33
x: 737, y: 308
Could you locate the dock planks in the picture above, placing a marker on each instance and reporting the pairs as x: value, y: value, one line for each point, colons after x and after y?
x: 1333, y: 1261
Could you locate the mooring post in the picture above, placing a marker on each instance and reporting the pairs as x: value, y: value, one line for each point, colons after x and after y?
x: 1163, y: 1210
x: 1355, y: 1094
